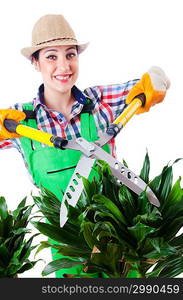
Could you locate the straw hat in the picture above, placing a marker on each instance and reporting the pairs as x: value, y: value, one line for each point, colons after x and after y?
x: 52, y: 30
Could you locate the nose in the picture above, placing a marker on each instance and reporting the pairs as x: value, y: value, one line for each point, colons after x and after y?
x: 63, y: 64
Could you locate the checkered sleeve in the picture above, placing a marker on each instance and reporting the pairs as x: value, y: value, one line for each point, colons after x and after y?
x: 112, y: 97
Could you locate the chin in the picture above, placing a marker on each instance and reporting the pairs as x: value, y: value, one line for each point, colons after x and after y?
x: 64, y: 91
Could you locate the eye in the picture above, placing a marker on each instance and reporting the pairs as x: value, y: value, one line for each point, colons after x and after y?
x: 51, y: 57
x: 71, y: 55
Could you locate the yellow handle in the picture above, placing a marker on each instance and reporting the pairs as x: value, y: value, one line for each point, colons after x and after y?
x: 128, y: 112
x: 46, y: 138
x: 35, y: 134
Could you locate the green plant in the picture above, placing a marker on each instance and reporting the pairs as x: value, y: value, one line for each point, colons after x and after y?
x: 14, y: 248
x: 115, y: 231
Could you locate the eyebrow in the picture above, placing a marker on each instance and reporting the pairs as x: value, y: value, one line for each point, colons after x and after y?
x: 49, y: 50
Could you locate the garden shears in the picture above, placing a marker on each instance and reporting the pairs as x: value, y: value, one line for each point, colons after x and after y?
x: 91, y: 151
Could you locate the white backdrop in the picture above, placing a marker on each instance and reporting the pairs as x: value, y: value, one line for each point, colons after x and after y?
x: 126, y: 38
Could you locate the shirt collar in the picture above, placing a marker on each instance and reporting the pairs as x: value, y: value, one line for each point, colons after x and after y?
x: 79, y: 96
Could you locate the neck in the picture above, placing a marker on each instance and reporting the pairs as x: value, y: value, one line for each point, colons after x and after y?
x: 61, y: 102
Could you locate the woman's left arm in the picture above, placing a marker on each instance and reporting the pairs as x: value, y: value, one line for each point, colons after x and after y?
x: 110, y: 99
x: 114, y: 98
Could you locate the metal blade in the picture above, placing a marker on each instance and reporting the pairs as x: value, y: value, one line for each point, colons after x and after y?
x: 104, y: 138
x: 125, y: 175
x: 75, y: 187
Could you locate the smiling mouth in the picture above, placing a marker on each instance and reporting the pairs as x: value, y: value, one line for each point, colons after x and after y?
x: 63, y: 77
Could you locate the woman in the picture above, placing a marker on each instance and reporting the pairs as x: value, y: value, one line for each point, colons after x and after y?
x: 60, y: 108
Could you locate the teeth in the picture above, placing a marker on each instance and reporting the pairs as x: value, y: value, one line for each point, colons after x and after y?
x: 62, y: 77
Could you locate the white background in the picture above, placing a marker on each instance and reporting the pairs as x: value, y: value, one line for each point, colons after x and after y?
x: 126, y: 38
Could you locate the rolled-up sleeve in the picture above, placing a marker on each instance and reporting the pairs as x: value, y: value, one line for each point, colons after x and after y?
x: 114, y: 96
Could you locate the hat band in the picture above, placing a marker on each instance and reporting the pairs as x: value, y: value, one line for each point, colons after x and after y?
x: 59, y: 39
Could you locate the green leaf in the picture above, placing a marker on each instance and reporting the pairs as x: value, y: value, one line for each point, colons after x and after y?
x: 60, y: 234
x: 127, y: 202
x: 140, y: 231
x: 125, y: 163
x: 161, y: 185
x: 99, y: 216
x: 27, y: 266
x: 1, y: 228
x: 7, y: 225
x: 105, y: 234
x: 142, y: 204
x: 109, y: 188
x: 60, y: 264
x: 105, y: 229
x: 18, y: 213
x: 114, y: 253
x: 15, y: 243
x: 162, y: 249
x: 73, y: 251
x: 152, y: 219
x: 22, y: 203
x: 144, y: 174
x: 73, y: 214
x: 26, y: 250
x: 111, y: 207
x: 172, y: 261
x: 16, y: 254
x: 3, y: 208
x: 48, y: 198
x: 109, y: 260
x: 89, y: 189
x: 13, y: 268
x: 87, y: 229
x: 172, y: 270
x: 43, y: 245
x: 175, y: 196
x: 21, y: 220
x: 166, y: 184
x: 4, y: 256
x: 19, y: 231
x: 107, y: 226
x: 172, y: 228
x: 49, y: 205
x: 177, y: 241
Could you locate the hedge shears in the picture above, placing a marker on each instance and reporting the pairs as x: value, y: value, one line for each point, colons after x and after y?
x: 91, y: 151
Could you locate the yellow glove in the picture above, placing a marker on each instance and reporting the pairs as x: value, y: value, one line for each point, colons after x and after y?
x: 154, y: 85
x: 13, y: 114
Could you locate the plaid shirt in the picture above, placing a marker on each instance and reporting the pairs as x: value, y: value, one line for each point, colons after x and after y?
x: 109, y: 102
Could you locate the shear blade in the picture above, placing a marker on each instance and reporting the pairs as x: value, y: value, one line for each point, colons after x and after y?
x: 125, y: 175
x: 75, y: 187
x: 120, y: 172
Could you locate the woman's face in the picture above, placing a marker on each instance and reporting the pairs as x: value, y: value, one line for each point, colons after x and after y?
x: 59, y: 66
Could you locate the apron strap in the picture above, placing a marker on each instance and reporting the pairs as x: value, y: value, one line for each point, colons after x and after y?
x: 88, y: 127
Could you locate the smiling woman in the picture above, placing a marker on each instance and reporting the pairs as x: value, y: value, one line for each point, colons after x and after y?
x: 62, y: 109
x: 59, y: 68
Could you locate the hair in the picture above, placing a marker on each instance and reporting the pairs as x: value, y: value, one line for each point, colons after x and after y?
x: 35, y: 55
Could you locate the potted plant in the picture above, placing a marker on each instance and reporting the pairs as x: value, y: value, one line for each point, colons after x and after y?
x: 15, y: 249
x: 114, y: 231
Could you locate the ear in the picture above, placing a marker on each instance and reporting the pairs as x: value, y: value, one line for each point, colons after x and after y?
x: 36, y: 64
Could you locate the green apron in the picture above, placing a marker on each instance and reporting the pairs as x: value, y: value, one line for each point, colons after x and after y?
x: 52, y: 168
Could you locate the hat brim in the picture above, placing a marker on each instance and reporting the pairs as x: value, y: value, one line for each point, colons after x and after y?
x: 28, y: 51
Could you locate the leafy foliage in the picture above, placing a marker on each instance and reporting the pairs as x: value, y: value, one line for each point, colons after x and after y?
x: 14, y: 248
x: 115, y: 231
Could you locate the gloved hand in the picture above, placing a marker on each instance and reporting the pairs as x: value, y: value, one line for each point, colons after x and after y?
x: 154, y: 85
x: 13, y: 114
